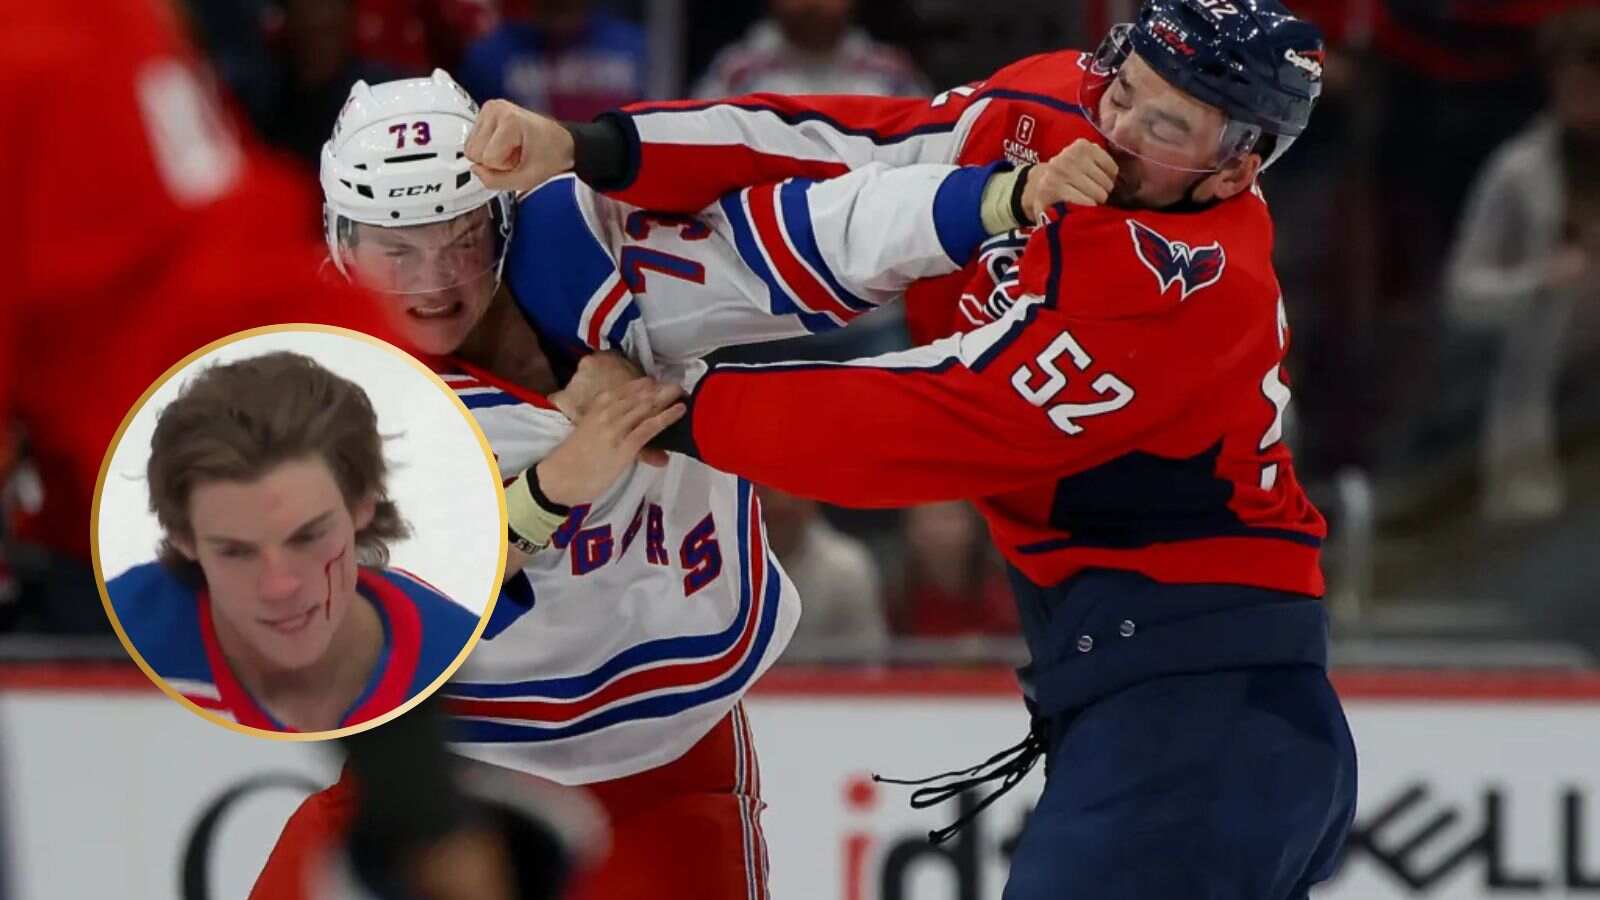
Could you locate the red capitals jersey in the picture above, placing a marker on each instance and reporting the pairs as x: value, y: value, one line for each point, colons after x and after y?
x: 692, y: 152
x: 144, y: 229
x: 1125, y: 412
x: 1116, y: 401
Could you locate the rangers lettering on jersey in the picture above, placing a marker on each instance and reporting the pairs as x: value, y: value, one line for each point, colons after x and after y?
x: 619, y: 646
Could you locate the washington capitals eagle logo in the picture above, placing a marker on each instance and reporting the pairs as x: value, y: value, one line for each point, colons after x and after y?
x: 1174, y: 262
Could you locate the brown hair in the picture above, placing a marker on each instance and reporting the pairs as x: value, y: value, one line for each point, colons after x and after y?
x: 237, y: 421
x: 1570, y: 37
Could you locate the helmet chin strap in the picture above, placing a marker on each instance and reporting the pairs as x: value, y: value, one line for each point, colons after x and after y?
x: 1188, y: 203
x: 1191, y: 199
x: 1191, y: 203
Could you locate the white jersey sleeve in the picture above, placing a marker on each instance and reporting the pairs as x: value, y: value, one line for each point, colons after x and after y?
x: 765, y: 263
x: 626, y: 640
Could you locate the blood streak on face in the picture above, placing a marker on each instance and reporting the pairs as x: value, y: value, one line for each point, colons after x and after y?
x: 327, y: 572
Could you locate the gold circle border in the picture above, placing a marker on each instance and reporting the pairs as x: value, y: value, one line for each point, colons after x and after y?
x: 105, y: 597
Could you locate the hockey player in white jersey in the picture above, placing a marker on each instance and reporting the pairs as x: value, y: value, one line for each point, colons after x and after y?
x: 618, y: 653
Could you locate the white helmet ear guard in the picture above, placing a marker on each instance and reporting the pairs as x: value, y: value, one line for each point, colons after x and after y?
x: 397, y: 159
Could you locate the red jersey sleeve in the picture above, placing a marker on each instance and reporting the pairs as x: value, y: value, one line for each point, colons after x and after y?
x: 315, y: 831
x: 1080, y: 371
x: 689, y: 153
x: 151, y: 227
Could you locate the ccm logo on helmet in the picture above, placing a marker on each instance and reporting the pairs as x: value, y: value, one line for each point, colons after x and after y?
x: 1171, y: 37
x: 416, y: 190
x: 1311, y: 64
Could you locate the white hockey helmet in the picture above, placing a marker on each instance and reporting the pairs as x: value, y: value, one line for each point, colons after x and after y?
x: 397, y: 159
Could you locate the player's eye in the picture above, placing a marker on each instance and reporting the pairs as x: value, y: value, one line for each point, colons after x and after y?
x: 304, y: 538
x: 1166, y: 133
x: 1121, y: 94
x: 233, y: 552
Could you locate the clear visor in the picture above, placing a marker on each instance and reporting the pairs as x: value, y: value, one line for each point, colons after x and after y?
x: 1143, y: 127
x: 424, y: 259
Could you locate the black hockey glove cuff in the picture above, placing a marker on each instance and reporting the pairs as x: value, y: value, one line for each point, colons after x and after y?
x: 605, y: 152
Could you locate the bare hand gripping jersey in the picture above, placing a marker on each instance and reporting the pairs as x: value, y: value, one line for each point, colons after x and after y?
x: 622, y: 643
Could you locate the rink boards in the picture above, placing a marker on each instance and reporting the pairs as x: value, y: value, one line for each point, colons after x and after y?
x: 1473, y: 785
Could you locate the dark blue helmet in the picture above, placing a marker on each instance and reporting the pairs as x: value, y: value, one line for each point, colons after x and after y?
x: 1250, y: 58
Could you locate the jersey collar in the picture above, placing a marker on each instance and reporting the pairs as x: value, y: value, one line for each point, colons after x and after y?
x: 387, y: 687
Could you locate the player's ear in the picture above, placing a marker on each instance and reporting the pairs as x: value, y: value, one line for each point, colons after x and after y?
x: 1236, y: 177
x: 362, y: 511
x: 185, y: 545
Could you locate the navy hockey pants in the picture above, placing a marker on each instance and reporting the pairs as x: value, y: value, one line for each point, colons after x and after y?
x: 1228, y: 785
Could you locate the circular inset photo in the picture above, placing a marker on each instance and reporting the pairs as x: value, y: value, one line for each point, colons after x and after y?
x: 299, y: 532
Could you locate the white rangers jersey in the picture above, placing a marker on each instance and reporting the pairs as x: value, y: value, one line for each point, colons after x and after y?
x: 622, y: 643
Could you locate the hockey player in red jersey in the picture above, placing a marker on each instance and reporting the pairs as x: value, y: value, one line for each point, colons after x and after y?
x: 148, y: 228
x: 1117, y: 416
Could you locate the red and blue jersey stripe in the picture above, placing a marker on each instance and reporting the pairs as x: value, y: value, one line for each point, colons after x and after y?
x: 562, y: 277
x: 170, y: 625
x: 655, y: 679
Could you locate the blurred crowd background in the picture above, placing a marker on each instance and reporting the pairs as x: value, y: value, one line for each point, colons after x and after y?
x: 1438, y: 245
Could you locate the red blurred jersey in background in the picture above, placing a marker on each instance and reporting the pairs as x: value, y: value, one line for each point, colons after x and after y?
x: 141, y: 227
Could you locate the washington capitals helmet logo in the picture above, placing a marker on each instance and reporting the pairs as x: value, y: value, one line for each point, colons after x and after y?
x: 1174, y: 262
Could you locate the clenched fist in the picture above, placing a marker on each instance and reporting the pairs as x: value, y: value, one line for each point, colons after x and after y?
x: 1083, y: 175
x: 512, y: 149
